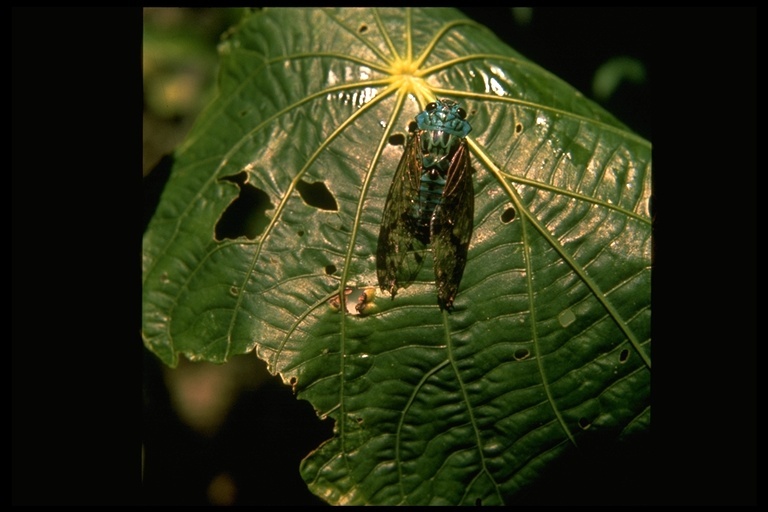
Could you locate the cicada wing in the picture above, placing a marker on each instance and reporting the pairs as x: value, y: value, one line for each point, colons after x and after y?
x: 451, y: 228
x: 399, y: 254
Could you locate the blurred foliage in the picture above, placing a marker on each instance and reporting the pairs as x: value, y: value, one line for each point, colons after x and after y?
x: 609, y: 76
x: 179, y: 63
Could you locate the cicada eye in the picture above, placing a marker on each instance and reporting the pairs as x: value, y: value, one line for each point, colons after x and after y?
x: 431, y: 106
x: 462, y: 113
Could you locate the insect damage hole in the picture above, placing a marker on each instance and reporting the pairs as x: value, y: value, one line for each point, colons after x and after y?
x: 362, y: 29
x: 317, y: 194
x: 397, y: 139
x: 330, y: 269
x: 623, y: 356
x: 246, y: 215
x: 294, y: 381
x: 508, y: 215
x: 521, y: 354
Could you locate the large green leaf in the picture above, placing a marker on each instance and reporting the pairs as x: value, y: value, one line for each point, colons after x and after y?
x: 549, y: 343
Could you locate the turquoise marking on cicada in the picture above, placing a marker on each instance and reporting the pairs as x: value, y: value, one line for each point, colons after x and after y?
x: 430, y: 202
x: 443, y: 125
x: 431, y: 186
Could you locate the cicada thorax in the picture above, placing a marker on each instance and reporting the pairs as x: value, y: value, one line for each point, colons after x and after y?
x: 437, y: 149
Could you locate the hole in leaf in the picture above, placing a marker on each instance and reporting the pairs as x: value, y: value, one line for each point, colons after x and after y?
x: 521, y: 353
x: 398, y: 139
x: 584, y: 423
x: 330, y: 269
x: 362, y: 29
x: 300, y: 232
x: 317, y: 194
x: 518, y: 128
x: 623, y: 356
x: 246, y: 215
x: 508, y: 215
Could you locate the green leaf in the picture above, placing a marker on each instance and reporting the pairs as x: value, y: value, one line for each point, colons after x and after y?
x: 549, y: 343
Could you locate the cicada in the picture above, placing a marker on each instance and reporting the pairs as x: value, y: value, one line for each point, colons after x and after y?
x: 430, y: 203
